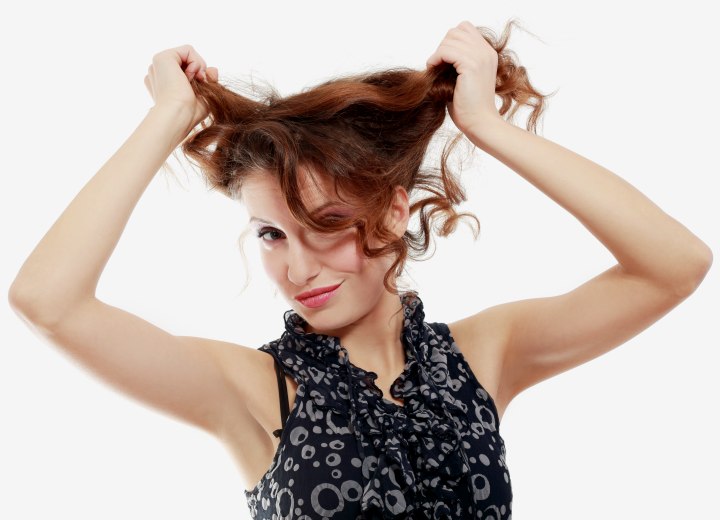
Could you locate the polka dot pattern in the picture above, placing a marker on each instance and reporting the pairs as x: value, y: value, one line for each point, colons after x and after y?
x: 347, y: 452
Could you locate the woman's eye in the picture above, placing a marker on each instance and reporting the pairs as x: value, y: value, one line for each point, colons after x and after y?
x: 264, y: 231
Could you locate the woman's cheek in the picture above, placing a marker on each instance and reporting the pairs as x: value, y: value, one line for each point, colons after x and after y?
x: 345, y: 257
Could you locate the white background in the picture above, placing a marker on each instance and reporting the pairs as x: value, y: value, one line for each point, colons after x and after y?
x: 632, y: 434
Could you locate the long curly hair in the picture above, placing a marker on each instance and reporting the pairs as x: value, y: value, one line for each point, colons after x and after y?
x: 367, y: 133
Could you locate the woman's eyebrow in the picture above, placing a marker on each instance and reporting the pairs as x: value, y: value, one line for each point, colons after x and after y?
x: 256, y: 219
x: 325, y: 206
x: 317, y: 210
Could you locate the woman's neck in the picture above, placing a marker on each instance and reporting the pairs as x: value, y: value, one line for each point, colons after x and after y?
x: 374, y: 342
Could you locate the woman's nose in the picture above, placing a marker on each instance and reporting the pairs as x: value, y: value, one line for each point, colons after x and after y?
x: 302, y: 265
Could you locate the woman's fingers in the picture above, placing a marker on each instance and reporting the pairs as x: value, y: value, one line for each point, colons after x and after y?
x: 476, y: 62
x: 455, y: 41
x: 196, y: 64
x: 446, y: 52
x: 212, y: 73
x: 170, y: 76
x: 184, y: 56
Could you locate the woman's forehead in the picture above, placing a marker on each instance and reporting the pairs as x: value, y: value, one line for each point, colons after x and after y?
x: 314, y: 189
x: 264, y: 198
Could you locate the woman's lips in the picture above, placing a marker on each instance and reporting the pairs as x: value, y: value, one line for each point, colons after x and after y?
x: 319, y: 299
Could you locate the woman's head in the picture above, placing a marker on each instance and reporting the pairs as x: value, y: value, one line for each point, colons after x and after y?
x: 360, y: 140
x: 298, y: 259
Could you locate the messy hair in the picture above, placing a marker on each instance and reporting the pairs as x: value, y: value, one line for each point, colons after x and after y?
x: 366, y: 133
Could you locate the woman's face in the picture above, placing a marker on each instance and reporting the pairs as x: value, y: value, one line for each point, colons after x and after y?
x: 298, y: 259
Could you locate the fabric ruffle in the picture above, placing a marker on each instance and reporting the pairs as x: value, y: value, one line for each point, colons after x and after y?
x: 415, y: 450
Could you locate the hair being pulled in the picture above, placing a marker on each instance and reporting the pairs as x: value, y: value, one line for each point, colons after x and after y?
x: 367, y: 133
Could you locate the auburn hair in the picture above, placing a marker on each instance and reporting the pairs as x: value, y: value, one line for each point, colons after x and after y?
x: 367, y: 133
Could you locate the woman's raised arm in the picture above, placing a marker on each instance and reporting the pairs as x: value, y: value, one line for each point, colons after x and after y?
x: 660, y: 261
x: 193, y: 379
x: 65, y: 266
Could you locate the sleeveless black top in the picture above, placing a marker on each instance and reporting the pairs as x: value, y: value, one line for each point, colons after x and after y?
x: 346, y: 452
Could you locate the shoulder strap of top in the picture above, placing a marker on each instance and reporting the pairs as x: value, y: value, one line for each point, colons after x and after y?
x: 282, y: 390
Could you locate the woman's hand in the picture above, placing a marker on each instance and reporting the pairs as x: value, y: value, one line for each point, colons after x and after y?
x: 168, y: 81
x: 476, y: 62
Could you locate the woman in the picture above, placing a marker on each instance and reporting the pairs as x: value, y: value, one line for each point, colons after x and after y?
x: 389, y: 416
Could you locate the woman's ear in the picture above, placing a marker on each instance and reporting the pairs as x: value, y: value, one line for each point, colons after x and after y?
x: 399, y: 213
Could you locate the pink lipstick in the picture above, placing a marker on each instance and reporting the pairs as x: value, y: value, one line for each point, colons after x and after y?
x: 317, y: 297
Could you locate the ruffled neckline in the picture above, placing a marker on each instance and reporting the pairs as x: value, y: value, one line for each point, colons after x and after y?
x: 327, y: 348
x: 404, y: 440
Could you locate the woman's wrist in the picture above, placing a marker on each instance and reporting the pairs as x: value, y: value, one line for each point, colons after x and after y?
x: 176, y: 118
x: 483, y: 128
